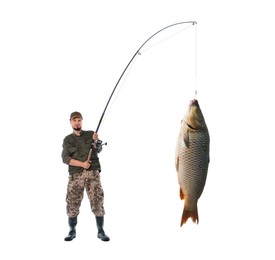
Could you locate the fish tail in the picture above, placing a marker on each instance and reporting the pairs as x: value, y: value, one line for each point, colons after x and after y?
x: 186, y: 214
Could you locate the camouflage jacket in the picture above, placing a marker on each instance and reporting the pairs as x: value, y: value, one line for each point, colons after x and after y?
x: 78, y: 147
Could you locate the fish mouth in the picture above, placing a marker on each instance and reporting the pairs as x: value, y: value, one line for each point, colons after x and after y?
x: 194, y: 102
x: 193, y: 116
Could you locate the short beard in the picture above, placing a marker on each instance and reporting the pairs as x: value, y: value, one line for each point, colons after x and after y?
x: 77, y: 128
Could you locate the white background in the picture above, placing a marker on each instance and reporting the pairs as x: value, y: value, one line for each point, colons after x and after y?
x: 60, y: 56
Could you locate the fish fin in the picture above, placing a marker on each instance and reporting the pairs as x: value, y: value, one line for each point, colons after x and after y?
x: 186, y: 137
x: 186, y: 214
x: 177, y: 163
x: 181, y: 194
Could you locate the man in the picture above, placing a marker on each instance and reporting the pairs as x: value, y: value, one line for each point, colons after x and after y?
x: 84, y: 173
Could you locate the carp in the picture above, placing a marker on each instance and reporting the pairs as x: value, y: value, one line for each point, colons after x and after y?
x: 192, y: 160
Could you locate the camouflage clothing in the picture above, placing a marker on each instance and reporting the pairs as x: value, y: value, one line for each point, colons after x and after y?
x: 78, y: 147
x: 89, y: 180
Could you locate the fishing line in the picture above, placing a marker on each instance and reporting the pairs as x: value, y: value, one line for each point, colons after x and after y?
x: 136, y: 53
x: 130, y: 68
x: 118, y: 90
x: 196, y: 62
x: 165, y: 39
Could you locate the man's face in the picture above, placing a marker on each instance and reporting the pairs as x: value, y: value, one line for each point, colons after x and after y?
x: 76, y: 123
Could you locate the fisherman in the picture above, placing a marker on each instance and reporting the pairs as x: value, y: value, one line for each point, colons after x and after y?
x: 84, y: 173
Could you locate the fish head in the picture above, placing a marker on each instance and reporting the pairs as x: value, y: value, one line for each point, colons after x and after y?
x: 194, y: 117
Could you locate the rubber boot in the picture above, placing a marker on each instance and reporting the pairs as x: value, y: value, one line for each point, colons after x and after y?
x: 72, y: 232
x: 101, y: 234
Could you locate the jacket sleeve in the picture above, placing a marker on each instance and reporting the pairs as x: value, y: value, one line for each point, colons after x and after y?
x: 65, y: 153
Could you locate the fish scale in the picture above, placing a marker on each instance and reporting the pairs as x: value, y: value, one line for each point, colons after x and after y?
x: 194, y: 166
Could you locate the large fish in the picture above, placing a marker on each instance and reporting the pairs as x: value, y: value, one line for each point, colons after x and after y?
x: 192, y: 159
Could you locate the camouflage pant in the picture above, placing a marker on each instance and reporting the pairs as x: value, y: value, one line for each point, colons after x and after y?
x: 89, y: 180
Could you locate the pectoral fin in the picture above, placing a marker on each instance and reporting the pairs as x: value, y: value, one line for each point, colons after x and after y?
x: 186, y: 137
x: 177, y: 164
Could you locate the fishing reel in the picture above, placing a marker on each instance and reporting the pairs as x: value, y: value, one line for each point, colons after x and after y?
x: 99, y: 142
x: 98, y: 145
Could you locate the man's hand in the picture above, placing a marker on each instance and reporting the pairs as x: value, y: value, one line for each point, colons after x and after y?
x: 95, y: 137
x: 86, y: 165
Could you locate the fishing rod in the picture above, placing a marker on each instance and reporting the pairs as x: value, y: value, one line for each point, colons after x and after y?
x: 136, y: 53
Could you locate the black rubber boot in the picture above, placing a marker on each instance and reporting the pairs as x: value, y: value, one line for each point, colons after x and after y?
x: 101, y: 234
x: 72, y: 232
